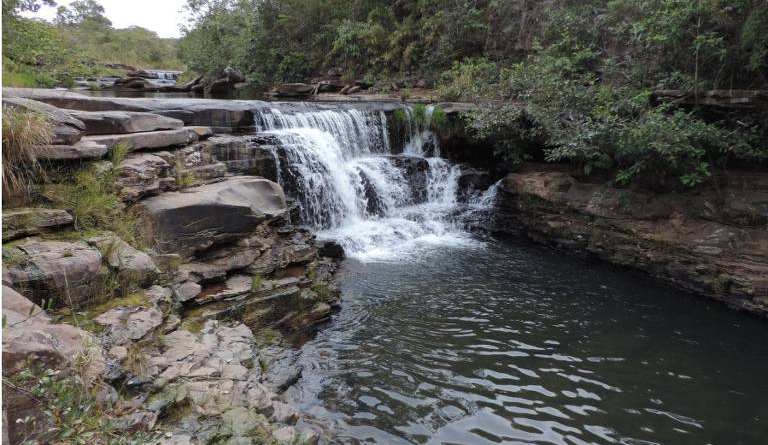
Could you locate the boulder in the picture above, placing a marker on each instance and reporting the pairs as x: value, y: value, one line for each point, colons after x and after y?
x: 142, y: 174
x: 125, y: 324
x: 414, y: 169
x: 200, y: 217
x: 294, y: 90
x: 67, y: 130
x: 21, y: 222
x: 131, y: 265
x: 132, y: 83
x: 244, y: 155
x: 186, y: 291
x: 122, y: 122
x: 67, y: 273
x: 152, y: 139
x: 30, y: 337
x: 83, y: 149
x: 330, y: 249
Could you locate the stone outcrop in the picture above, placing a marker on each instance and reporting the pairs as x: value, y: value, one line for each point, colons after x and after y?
x: 152, y: 139
x: 130, y: 264
x: 67, y: 130
x: 21, y: 222
x: 711, y: 244
x: 211, y: 214
x: 83, y: 149
x: 67, y: 273
x: 122, y: 122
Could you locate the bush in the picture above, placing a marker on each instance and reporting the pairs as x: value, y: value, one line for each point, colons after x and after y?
x: 470, y: 80
x: 24, y: 132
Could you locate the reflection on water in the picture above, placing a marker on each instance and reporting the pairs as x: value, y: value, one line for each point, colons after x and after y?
x: 512, y: 344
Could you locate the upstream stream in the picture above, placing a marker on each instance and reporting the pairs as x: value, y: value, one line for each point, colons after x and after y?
x: 446, y: 338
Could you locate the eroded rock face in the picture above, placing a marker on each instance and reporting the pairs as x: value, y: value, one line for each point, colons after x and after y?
x: 713, y: 246
x: 21, y: 222
x: 67, y: 273
x: 142, y: 174
x: 200, y: 217
x: 122, y: 122
x: 244, y: 155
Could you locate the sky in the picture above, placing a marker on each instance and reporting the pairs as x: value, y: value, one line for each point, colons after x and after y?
x: 160, y: 16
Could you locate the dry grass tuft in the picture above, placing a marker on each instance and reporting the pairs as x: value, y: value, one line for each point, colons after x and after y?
x: 24, y: 133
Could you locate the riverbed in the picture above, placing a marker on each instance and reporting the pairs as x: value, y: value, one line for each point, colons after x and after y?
x: 504, y: 342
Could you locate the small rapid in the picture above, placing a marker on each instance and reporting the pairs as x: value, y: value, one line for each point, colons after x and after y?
x: 378, y: 201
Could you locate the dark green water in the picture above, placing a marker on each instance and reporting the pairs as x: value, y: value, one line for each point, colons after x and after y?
x: 518, y: 345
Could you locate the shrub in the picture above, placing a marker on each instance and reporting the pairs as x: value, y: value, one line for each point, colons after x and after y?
x: 24, y: 132
x: 469, y: 80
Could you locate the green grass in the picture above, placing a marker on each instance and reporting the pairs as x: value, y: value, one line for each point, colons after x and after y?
x: 119, y: 152
x: 19, y: 80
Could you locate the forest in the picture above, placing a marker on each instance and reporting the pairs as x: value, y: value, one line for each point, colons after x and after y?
x: 560, y: 80
x: 79, y: 43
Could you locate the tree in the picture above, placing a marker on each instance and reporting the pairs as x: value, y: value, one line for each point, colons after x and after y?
x: 82, y: 12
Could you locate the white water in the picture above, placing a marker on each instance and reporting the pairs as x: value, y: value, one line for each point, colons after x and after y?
x: 351, y: 189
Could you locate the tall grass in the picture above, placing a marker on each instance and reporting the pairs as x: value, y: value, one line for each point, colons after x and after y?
x: 24, y: 133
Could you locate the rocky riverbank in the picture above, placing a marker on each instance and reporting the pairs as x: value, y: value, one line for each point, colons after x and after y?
x: 169, y: 333
x: 712, y: 242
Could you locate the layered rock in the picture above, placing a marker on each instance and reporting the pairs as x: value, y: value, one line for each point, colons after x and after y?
x: 152, y: 139
x: 67, y: 130
x: 211, y: 214
x: 122, y: 122
x: 21, y: 222
x: 63, y: 273
x: 711, y: 244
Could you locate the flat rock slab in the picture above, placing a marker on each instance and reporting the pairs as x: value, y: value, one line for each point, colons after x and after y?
x: 122, y: 122
x: 83, y: 149
x: 66, y: 129
x: 152, y: 139
x: 200, y: 217
x: 22, y: 222
x: 130, y: 323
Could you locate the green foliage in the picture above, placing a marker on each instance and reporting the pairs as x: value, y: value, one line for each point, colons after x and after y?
x: 68, y: 411
x: 39, y: 54
x: 93, y: 201
x: 256, y: 282
x: 119, y: 152
x: 470, y: 80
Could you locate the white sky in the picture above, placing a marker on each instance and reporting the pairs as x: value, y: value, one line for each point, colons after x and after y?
x: 161, y: 16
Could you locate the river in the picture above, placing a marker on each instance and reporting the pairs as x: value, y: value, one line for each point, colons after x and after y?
x: 510, y: 343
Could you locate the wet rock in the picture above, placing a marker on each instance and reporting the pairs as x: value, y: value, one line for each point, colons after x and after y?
x: 83, y: 149
x: 330, y: 249
x: 685, y: 239
x: 471, y: 181
x: 68, y: 273
x: 235, y: 286
x: 211, y: 214
x: 21, y: 222
x: 121, y: 122
x: 245, y: 155
x: 414, y: 170
x: 152, y: 139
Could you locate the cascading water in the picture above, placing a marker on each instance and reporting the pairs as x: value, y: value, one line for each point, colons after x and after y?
x: 352, y: 189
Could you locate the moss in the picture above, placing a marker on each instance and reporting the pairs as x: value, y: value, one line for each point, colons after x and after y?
x: 721, y: 284
x: 135, y: 299
x: 267, y: 337
x: 193, y: 325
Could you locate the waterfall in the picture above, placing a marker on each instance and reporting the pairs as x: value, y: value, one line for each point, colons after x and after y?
x: 351, y: 188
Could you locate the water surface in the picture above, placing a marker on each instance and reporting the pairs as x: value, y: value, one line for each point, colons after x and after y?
x: 510, y: 343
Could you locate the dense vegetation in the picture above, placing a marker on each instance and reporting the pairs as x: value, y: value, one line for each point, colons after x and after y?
x: 79, y: 43
x: 562, y: 79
